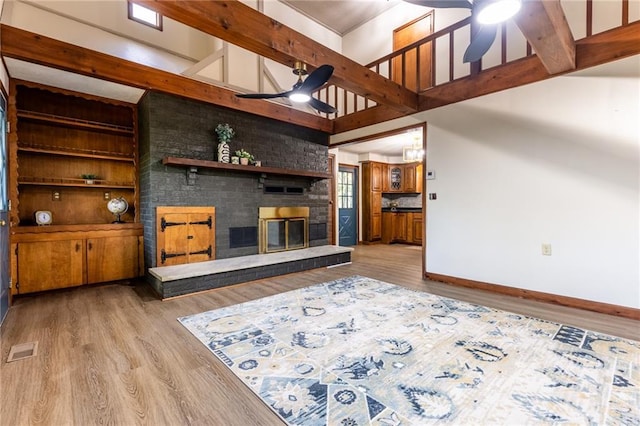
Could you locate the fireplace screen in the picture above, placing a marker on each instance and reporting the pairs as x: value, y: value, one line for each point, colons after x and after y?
x: 283, y: 228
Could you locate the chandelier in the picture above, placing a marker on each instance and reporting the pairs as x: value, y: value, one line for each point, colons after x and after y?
x: 413, y: 152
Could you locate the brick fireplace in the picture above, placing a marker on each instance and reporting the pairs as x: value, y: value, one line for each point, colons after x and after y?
x: 173, y: 126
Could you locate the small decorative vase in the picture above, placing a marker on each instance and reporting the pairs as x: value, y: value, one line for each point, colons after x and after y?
x: 235, y: 160
x: 223, y: 152
x: 244, y: 161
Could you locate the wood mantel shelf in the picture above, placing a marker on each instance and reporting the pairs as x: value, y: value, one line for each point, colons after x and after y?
x: 262, y: 171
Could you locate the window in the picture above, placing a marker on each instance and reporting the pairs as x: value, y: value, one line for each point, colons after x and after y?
x: 145, y: 16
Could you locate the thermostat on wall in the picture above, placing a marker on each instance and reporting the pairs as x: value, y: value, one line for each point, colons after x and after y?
x: 431, y: 174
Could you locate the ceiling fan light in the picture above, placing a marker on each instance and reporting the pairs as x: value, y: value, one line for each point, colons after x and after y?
x: 496, y: 11
x: 299, y: 97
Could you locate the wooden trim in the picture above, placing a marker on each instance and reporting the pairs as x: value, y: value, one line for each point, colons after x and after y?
x: 571, y: 302
x: 249, y: 29
x: 378, y: 135
x: 32, y: 47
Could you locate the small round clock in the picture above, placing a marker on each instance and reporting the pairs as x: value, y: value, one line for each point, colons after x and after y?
x: 44, y: 217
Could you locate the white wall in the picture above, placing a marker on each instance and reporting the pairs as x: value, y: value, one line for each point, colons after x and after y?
x: 553, y: 162
x: 27, y: 17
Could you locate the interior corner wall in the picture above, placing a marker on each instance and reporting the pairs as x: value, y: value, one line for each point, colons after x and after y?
x: 555, y: 162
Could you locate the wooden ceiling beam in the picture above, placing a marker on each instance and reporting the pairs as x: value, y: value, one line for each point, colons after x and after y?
x: 240, y: 25
x: 545, y: 27
x: 31, y: 47
x: 608, y: 46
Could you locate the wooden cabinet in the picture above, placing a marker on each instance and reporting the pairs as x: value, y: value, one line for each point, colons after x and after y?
x: 70, y: 154
x: 371, y: 201
x: 412, y: 182
x: 46, y: 265
x: 43, y: 259
x: 60, y: 138
x: 402, y: 227
x: 414, y: 223
x: 402, y: 178
x: 101, y: 253
x: 185, y: 235
x: 385, y: 177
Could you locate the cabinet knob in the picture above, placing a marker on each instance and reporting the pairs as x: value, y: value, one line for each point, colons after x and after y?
x: 77, y: 246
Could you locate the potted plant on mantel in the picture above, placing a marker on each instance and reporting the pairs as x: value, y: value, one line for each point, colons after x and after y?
x: 225, y: 133
x: 245, y: 157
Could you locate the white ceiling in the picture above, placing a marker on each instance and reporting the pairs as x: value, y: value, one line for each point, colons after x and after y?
x: 341, y: 16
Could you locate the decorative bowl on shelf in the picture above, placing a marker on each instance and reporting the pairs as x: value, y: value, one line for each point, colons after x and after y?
x: 118, y: 206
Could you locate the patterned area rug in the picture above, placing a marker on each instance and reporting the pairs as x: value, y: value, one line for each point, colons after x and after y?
x: 358, y: 351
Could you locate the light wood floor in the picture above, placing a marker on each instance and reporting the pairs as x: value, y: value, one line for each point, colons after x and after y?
x: 114, y: 354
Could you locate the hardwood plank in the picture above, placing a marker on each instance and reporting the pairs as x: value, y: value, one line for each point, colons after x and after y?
x: 116, y: 354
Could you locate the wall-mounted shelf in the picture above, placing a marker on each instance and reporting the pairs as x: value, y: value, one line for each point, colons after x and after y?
x: 75, y: 122
x: 70, y: 152
x: 193, y: 165
x: 75, y: 182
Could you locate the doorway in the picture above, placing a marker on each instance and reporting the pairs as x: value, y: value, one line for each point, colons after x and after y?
x: 347, y: 205
x: 4, y: 213
x: 405, y: 35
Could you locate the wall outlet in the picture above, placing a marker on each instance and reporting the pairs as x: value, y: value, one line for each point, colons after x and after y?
x: 546, y: 249
x: 55, y: 196
x: 107, y: 195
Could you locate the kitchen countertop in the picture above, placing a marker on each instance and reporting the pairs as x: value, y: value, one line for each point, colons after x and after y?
x: 402, y: 210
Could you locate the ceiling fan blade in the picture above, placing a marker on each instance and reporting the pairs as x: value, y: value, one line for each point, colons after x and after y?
x: 262, y: 95
x: 317, y: 79
x: 321, y: 106
x: 443, y: 4
x: 480, y: 43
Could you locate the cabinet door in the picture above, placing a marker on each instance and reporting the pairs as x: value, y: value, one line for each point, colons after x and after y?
x: 376, y: 215
x: 376, y: 177
x: 395, y: 178
x: 112, y: 258
x: 376, y: 226
x: 387, y: 227
x: 173, y: 245
x: 409, y: 178
x: 400, y: 227
x: 50, y: 264
x: 200, y: 245
x: 385, y: 177
x: 416, y: 228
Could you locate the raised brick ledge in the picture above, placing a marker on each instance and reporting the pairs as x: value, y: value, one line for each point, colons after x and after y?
x: 177, y: 280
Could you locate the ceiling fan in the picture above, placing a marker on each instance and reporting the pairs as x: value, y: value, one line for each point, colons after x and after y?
x: 301, y: 91
x: 487, y: 13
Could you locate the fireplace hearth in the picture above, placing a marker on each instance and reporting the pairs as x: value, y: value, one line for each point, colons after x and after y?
x: 282, y: 229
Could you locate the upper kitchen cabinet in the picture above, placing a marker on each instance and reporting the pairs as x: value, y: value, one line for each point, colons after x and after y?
x: 403, y: 178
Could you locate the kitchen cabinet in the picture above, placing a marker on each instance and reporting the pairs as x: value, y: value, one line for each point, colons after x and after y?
x: 371, y: 201
x: 46, y: 259
x: 402, y: 178
x: 412, y: 178
x: 414, y: 224
x: 402, y: 227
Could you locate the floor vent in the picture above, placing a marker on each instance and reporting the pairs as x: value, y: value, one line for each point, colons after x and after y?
x: 22, y: 351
